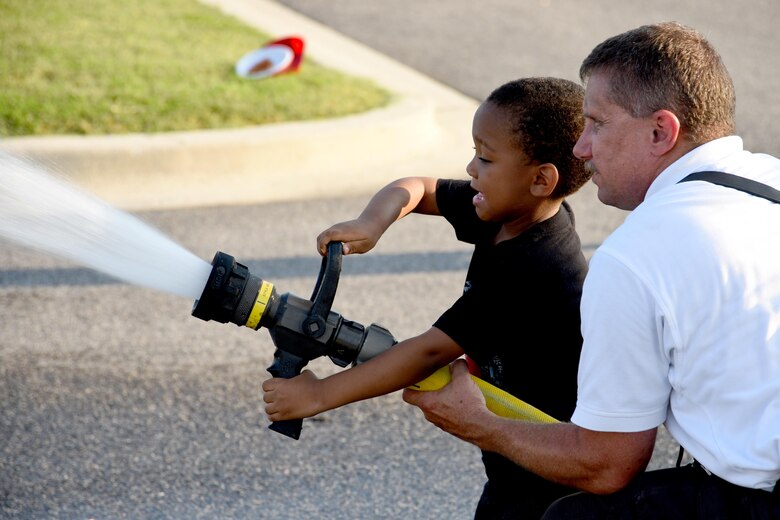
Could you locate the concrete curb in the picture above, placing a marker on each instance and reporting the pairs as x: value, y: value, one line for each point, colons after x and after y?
x: 425, y: 131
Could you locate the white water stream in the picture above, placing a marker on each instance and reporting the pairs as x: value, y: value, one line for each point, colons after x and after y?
x: 43, y: 211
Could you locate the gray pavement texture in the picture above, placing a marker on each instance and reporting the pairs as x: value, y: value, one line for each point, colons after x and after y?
x: 475, y: 46
x: 114, y: 403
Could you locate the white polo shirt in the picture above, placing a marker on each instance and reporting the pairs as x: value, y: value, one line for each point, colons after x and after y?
x: 681, y: 318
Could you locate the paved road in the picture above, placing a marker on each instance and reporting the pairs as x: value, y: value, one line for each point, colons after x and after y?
x: 476, y: 46
x: 115, y: 403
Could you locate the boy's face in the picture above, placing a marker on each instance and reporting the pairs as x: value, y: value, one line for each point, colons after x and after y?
x: 500, y: 171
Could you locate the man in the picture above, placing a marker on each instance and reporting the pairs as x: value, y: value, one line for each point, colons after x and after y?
x: 681, y: 306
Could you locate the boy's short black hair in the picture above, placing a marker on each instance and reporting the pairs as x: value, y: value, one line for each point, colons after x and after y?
x: 546, y: 115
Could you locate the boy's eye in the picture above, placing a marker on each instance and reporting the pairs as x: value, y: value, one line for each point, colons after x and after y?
x: 478, y: 156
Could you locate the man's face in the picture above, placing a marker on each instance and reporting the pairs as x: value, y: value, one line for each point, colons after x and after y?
x: 616, y: 147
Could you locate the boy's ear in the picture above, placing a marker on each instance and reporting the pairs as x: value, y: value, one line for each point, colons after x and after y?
x: 545, y: 180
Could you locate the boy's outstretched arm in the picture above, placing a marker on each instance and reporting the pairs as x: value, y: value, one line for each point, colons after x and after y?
x: 406, y: 363
x: 394, y: 201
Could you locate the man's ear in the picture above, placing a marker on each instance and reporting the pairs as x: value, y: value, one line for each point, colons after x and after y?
x: 545, y: 180
x: 666, y: 132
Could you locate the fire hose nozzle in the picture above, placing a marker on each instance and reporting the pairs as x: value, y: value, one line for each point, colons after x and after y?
x: 302, y: 330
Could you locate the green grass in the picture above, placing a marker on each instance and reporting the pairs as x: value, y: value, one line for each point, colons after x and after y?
x: 117, y: 66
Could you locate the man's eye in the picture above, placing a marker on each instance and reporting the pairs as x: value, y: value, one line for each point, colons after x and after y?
x: 592, y: 123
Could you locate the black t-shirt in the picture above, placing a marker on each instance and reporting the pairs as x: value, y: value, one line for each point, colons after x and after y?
x: 519, y: 315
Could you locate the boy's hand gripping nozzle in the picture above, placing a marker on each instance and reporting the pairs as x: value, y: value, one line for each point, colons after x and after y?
x: 302, y: 330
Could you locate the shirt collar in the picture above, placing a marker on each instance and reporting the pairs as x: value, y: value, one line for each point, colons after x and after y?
x: 702, y: 158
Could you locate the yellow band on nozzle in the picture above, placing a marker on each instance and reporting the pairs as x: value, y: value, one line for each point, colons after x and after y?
x: 258, y: 309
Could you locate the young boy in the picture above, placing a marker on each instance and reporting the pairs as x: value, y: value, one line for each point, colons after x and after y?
x: 524, y: 280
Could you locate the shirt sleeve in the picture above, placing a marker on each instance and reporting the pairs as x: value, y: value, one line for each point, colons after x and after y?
x: 623, y: 378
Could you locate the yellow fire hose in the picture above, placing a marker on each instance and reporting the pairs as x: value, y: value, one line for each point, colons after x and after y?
x: 498, y: 401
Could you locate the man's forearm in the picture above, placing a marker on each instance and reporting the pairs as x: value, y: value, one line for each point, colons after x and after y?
x: 599, y: 462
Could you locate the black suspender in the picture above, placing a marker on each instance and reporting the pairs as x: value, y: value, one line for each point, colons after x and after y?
x: 738, y: 183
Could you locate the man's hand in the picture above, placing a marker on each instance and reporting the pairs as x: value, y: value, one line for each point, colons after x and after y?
x: 458, y: 408
x: 294, y: 398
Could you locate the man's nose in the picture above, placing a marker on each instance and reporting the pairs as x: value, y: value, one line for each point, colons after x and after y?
x: 581, y: 148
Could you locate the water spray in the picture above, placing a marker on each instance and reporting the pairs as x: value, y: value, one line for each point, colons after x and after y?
x: 46, y: 212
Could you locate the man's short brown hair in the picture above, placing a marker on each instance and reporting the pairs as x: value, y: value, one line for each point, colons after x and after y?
x: 668, y: 66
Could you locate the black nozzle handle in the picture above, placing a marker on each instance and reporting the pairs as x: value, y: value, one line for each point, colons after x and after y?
x: 324, y: 291
x: 291, y: 428
x: 287, y: 365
